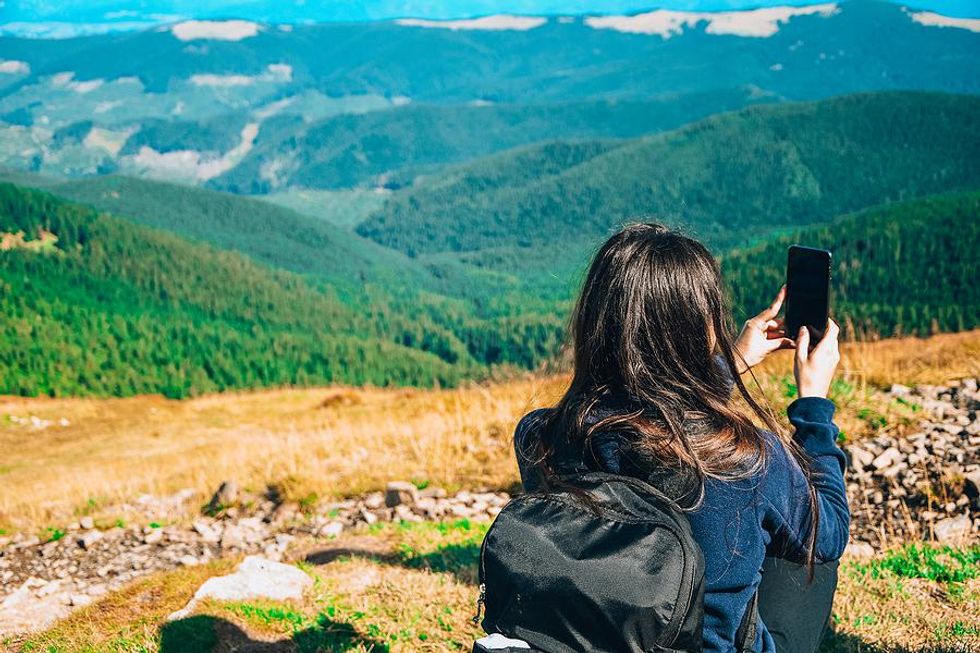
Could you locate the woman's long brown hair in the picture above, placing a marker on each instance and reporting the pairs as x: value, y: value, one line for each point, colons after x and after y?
x: 647, y: 332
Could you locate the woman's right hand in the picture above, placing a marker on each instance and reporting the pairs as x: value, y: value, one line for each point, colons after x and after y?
x: 814, y: 369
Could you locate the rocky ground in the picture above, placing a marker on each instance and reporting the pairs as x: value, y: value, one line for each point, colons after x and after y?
x: 919, y: 486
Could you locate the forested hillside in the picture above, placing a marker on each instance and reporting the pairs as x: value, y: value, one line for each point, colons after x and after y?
x: 96, y: 304
x: 389, y: 148
x: 728, y: 179
x: 106, y: 307
x: 275, y: 236
x: 910, y: 268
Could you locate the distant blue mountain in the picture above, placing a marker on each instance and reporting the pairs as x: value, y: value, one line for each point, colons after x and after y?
x: 42, y: 17
x: 260, y: 107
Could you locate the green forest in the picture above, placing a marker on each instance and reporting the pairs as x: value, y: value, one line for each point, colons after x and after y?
x: 113, y: 286
x: 727, y: 178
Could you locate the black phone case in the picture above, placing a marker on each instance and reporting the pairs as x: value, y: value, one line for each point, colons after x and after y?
x: 796, y: 315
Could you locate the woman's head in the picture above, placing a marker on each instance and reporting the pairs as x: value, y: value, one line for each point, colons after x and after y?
x: 652, y: 352
x: 654, y: 360
x: 650, y: 317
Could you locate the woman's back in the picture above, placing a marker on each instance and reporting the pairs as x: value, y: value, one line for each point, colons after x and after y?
x: 739, y: 522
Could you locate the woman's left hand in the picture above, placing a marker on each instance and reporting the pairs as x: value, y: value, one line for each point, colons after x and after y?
x: 762, y: 335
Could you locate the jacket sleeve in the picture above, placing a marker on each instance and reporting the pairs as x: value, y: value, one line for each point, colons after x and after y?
x: 787, y: 514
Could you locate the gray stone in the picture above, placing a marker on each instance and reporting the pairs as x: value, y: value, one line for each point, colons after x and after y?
x: 860, y: 549
x: 887, y: 458
x: 255, y: 578
x: 88, y: 538
x: 86, y: 523
x: 332, y: 529
x: 400, y: 493
x: 207, y: 532
x: 952, y: 530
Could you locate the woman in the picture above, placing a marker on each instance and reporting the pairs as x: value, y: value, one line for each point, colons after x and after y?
x: 651, y: 396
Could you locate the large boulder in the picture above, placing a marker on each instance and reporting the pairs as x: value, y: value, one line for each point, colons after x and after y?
x: 255, y: 578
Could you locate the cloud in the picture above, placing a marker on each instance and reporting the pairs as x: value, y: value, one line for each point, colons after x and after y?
x: 759, y: 23
x: 14, y: 67
x: 218, y: 30
x: 493, y: 23
x: 937, y: 20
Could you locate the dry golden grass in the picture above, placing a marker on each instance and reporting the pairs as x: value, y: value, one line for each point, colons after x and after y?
x: 341, y: 441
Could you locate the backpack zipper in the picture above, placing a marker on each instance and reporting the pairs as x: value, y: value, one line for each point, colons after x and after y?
x: 481, y: 575
x: 479, y: 604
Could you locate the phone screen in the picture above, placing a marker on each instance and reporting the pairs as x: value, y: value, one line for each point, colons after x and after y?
x: 807, y: 291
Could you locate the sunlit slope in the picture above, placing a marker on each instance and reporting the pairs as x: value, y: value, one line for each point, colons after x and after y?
x: 96, y: 305
x: 727, y: 179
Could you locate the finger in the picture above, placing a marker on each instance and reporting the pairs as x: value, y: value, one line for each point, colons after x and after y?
x: 779, y: 343
x: 775, y: 334
x: 829, y: 339
x: 773, y: 310
x: 803, y: 345
x: 772, y: 324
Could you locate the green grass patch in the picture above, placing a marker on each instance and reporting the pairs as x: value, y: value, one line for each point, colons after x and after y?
x: 941, y: 564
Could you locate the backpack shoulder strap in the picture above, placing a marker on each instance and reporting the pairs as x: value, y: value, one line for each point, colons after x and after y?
x: 745, y: 635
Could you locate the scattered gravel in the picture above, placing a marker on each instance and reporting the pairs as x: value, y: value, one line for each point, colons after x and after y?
x: 925, y: 485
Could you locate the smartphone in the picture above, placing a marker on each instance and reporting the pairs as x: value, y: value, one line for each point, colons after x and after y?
x: 807, y: 291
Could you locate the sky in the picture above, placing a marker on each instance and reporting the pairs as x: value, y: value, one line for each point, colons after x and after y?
x: 68, y: 17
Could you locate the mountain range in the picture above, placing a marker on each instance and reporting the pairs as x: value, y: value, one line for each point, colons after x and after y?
x: 209, y: 205
x: 255, y: 107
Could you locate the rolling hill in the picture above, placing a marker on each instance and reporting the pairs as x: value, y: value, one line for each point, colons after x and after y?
x: 389, y: 148
x: 729, y: 179
x: 272, y: 235
x: 96, y: 305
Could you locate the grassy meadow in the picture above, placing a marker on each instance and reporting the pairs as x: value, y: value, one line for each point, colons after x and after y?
x: 67, y: 457
x: 408, y: 586
x: 412, y: 587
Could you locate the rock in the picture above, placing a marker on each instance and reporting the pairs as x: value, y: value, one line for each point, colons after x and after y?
x: 233, y: 537
x: 255, y: 578
x: 22, y: 611
x: 860, y: 549
x: 188, y: 561
x: 49, y: 588
x: 207, y: 532
x: 400, y: 493
x: 887, y: 458
x: 224, y: 497
x: 333, y: 529
x: 88, y: 538
x: 86, y: 523
x: 952, y: 530
x: 154, y: 536
x: 79, y: 600
x: 899, y: 390
x: 433, y: 493
x: 860, y: 457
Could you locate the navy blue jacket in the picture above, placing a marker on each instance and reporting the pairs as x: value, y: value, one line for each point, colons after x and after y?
x: 741, y: 522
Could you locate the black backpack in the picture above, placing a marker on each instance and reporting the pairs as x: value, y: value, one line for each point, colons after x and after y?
x: 607, y: 564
